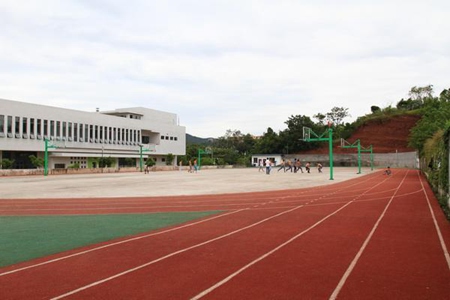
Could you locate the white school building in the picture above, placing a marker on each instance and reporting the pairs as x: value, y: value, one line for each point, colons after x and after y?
x: 79, y: 137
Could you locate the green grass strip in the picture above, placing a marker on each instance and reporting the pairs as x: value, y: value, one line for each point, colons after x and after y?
x: 27, y: 237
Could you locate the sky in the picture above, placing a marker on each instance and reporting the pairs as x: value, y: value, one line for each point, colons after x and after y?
x: 223, y: 65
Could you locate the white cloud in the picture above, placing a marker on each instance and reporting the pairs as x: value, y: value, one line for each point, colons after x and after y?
x: 245, y: 65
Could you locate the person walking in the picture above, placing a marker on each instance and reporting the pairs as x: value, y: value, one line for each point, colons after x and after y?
x: 299, y: 165
x: 308, y: 167
x: 268, y: 166
x: 319, y: 167
x: 190, y: 166
x: 282, y: 166
x: 195, y: 165
x: 261, y: 165
x: 289, y: 165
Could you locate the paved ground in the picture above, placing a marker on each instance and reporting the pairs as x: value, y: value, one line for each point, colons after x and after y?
x: 216, y: 181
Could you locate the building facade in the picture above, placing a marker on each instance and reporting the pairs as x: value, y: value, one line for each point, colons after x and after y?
x: 81, y: 138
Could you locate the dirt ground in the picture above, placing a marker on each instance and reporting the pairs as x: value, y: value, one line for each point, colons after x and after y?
x: 385, y: 136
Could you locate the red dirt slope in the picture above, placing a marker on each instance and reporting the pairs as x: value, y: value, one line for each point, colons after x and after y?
x: 385, y: 136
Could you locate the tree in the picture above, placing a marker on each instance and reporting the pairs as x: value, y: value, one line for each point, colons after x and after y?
x: 420, y: 93
x: 445, y: 95
x: 106, y: 162
x: 436, y: 113
x: 320, y: 117
x: 337, y: 115
x: 169, y: 159
x: 269, y: 143
x: 37, y: 161
x: 292, y: 137
x: 375, y: 109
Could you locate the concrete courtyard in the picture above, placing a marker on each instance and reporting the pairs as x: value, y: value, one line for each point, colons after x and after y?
x: 208, y: 181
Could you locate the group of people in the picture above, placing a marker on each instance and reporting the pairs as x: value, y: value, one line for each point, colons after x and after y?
x: 286, y: 165
x: 193, y: 167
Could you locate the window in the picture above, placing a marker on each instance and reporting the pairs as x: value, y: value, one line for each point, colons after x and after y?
x: 25, y: 127
x: 81, y: 132
x: 58, y: 130
x: 38, y: 128
x: 2, y: 125
x: 163, y: 137
x: 32, y: 129
x: 75, y: 131
x: 64, y: 130
x: 9, y: 126
x: 91, y: 133
x: 45, y: 129
x: 52, y: 128
x: 17, y: 127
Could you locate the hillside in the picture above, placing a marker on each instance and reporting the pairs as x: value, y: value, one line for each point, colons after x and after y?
x: 385, y: 136
x: 190, y: 139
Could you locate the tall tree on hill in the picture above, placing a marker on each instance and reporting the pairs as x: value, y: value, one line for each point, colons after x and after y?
x: 337, y: 115
x: 421, y: 93
x: 436, y: 113
x: 292, y: 137
x: 269, y: 143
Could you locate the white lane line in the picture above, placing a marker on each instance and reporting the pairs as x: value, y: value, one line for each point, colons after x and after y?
x: 118, y: 243
x: 173, y: 254
x: 364, y: 245
x: 225, y: 280
x: 436, y: 225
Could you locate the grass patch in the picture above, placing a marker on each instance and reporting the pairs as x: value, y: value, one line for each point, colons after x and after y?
x: 27, y: 237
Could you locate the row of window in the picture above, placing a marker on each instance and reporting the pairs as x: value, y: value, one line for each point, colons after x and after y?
x: 35, y: 128
x: 171, y: 138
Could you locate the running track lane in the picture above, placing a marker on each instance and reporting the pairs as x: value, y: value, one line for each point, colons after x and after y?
x: 300, y: 253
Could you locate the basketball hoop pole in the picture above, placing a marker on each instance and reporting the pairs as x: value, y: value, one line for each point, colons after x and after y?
x: 140, y: 156
x: 321, y: 138
x: 356, y: 144
x: 47, y: 146
x: 370, y: 149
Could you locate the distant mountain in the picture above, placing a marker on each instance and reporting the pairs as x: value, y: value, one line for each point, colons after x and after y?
x: 190, y: 139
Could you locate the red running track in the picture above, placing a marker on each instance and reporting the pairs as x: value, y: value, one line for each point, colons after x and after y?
x: 375, y: 237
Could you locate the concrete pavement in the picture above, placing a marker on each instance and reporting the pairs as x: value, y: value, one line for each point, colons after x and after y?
x: 165, y: 183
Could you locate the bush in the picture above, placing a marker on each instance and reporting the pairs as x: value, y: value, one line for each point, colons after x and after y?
x: 207, y: 161
x: 36, y: 161
x: 6, y: 163
x: 150, y: 162
x: 74, y: 166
